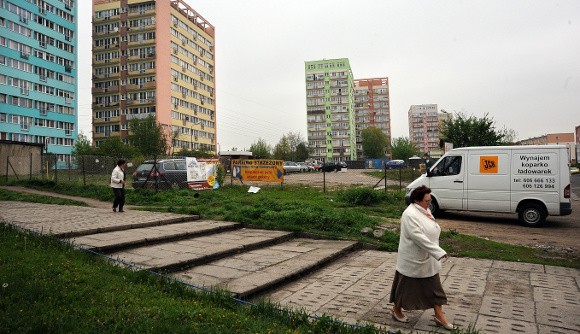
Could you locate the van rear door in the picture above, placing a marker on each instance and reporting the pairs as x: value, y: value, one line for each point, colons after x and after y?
x: 446, y: 181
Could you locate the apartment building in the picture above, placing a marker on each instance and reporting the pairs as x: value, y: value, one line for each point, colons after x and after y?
x: 560, y: 138
x: 154, y: 58
x: 38, y: 74
x: 372, y: 108
x: 424, y: 126
x: 330, y: 110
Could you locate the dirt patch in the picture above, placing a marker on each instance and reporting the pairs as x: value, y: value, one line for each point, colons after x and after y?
x: 560, y: 235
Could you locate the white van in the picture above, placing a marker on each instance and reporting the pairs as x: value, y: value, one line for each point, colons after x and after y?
x: 533, y: 181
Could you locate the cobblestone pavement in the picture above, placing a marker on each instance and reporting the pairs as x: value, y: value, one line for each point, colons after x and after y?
x: 319, y: 276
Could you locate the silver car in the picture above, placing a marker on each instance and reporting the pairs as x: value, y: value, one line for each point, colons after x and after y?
x: 291, y: 167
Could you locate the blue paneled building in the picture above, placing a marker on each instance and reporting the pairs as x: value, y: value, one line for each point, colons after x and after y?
x: 38, y: 74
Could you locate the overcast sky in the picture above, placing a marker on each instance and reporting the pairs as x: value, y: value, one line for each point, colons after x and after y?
x: 519, y: 61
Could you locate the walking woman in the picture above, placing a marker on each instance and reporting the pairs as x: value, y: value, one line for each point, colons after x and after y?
x: 118, y: 185
x: 417, y: 285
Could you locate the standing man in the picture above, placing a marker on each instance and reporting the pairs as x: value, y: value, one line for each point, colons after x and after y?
x: 118, y: 185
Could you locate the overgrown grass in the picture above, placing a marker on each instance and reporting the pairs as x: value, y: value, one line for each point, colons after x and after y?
x: 46, y: 286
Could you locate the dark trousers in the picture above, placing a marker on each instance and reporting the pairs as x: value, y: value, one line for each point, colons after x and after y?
x: 119, y: 198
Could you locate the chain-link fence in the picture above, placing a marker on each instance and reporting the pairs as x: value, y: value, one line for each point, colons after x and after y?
x: 168, y: 172
x: 83, y: 169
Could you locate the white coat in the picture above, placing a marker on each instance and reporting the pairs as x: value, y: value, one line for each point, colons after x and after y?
x: 419, y: 250
x: 116, y: 177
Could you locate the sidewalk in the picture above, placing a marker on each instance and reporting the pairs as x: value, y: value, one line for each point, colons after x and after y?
x: 317, y: 275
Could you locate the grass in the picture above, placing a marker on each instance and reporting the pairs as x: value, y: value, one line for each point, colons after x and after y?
x: 49, y: 287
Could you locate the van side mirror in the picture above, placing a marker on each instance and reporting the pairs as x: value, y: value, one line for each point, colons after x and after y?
x: 429, y: 173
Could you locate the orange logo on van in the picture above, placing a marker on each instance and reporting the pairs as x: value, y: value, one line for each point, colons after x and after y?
x: 488, y: 164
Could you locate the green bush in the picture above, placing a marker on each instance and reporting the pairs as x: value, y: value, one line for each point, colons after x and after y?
x: 360, y: 196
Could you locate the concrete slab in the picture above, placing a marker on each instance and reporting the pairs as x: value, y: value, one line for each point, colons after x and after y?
x: 558, y: 316
x: 515, y: 309
x: 489, y: 324
x: 556, y: 296
x: 254, y: 271
x: 104, y: 242
x: 200, y: 250
x: 69, y: 221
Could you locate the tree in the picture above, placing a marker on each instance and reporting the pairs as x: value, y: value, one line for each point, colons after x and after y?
x: 202, y: 152
x: 261, y: 149
x: 509, y: 136
x: 287, y: 148
x: 402, y: 149
x: 465, y: 131
x: 374, y: 143
x: 282, y: 150
x: 294, y: 139
x: 148, y: 137
x: 114, y: 147
x: 83, y: 146
x: 302, y: 152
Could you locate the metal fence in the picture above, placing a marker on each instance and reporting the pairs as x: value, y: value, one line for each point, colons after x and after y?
x: 171, y: 173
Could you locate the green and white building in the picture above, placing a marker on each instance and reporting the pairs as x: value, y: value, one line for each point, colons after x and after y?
x: 330, y: 110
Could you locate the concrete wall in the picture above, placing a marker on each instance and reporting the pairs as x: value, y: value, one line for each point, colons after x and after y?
x: 19, y: 158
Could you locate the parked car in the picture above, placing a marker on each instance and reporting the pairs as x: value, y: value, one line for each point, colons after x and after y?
x: 396, y: 164
x: 330, y: 167
x: 304, y: 167
x: 315, y: 166
x: 167, y: 173
x: 342, y: 164
x: 291, y: 167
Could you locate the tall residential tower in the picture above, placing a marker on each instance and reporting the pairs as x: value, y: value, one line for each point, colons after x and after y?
x: 372, y: 107
x: 330, y: 110
x: 154, y: 58
x: 425, y: 126
x: 38, y: 74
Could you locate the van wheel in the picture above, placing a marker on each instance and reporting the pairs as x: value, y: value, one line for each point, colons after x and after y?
x: 434, y: 207
x: 532, y: 214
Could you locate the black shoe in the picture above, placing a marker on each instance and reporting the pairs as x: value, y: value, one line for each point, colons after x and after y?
x: 115, y: 210
x: 121, y: 211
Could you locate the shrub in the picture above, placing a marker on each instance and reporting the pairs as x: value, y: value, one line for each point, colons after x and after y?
x: 360, y: 196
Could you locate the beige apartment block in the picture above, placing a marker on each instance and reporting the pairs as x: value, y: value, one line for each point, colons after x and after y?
x: 154, y: 58
x: 425, y: 126
x: 372, y: 108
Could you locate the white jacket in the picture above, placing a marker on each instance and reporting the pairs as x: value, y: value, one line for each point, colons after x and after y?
x: 419, y: 250
x: 116, y: 177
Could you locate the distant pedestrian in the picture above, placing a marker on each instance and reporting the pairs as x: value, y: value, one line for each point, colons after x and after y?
x: 118, y: 185
x: 417, y: 285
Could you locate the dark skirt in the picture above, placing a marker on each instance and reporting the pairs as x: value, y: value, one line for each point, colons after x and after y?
x: 417, y: 293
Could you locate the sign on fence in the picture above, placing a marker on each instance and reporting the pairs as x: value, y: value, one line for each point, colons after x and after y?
x: 202, y: 173
x: 258, y: 170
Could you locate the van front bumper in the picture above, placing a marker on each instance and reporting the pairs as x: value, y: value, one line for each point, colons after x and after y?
x: 565, y: 208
